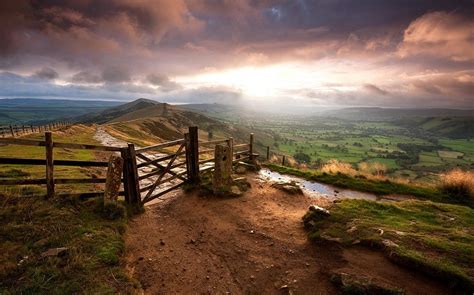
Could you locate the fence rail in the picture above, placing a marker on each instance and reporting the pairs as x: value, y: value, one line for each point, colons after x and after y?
x: 20, y: 130
x: 50, y: 181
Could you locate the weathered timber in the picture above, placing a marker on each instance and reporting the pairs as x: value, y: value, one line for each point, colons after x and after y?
x: 87, y: 147
x: 155, y: 161
x: 243, y: 145
x: 160, y: 146
x: 192, y: 154
x: 134, y: 184
x: 49, y: 165
x: 210, y: 142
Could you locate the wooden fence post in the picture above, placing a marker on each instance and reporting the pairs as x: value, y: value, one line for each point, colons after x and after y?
x: 132, y: 175
x: 126, y: 184
x: 49, y: 164
x: 32, y: 129
x: 283, y: 161
x: 11, y: 130
x: 268, y: 153
x: 251, y: 147
x: 192, y: 154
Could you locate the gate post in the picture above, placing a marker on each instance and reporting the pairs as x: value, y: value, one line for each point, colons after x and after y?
x: 192, y: 154
x: 130, y: 175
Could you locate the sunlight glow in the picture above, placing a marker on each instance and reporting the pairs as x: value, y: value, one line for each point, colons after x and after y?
x: 288, y: 79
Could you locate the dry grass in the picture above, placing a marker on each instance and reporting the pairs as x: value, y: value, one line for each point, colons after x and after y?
x: 334, y: 167
x: 373, y: 168
x: 458, y: 183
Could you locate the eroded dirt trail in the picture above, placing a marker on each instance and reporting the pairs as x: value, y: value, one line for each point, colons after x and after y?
x: 254, y: 244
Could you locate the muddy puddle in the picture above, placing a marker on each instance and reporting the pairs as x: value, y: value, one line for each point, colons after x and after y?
x: 316, y: 189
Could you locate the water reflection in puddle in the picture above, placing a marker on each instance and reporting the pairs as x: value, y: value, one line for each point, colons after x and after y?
x: 316, y: 189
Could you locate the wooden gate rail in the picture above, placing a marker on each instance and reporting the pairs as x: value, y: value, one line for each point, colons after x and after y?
x: 159, y: 146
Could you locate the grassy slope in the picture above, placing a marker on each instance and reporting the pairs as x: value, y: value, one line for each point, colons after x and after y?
x: 31, y: 226
x: 91, y: 265
x: 431, y: 237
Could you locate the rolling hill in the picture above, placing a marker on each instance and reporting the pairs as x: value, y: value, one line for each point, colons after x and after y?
x: 147, y: 122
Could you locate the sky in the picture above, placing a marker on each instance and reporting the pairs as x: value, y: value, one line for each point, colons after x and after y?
x: 394, y: 53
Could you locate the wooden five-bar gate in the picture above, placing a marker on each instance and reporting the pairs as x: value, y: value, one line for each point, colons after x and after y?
x: 148, y: 172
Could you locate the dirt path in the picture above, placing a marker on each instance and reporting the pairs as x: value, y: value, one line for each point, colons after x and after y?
x: 254, y: 244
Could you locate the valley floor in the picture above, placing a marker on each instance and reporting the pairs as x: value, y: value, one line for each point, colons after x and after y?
x: 254, y: 244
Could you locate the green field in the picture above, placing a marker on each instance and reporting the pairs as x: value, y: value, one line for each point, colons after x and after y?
x: 408, y: 149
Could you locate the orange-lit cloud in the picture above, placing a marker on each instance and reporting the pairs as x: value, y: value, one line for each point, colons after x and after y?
x: 396, y: 53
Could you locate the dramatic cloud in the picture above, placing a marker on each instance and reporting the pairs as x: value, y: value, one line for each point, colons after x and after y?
x: 399, y: 52
x: 86, y: 77
x: 46, y: 74
x: 440, y: 34
x: 374, y: 89
x: 163, y: 82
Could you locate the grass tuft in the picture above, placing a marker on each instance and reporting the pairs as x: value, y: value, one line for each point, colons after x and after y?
x: 458, y: 184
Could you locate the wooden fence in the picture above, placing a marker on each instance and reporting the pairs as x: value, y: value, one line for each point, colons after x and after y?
x: 188, y: 151
x: 19, y: 130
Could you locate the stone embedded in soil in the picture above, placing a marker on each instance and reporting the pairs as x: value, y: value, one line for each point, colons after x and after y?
x: 314, y: 214
x: 289, y: 187
x: 319, y: 210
